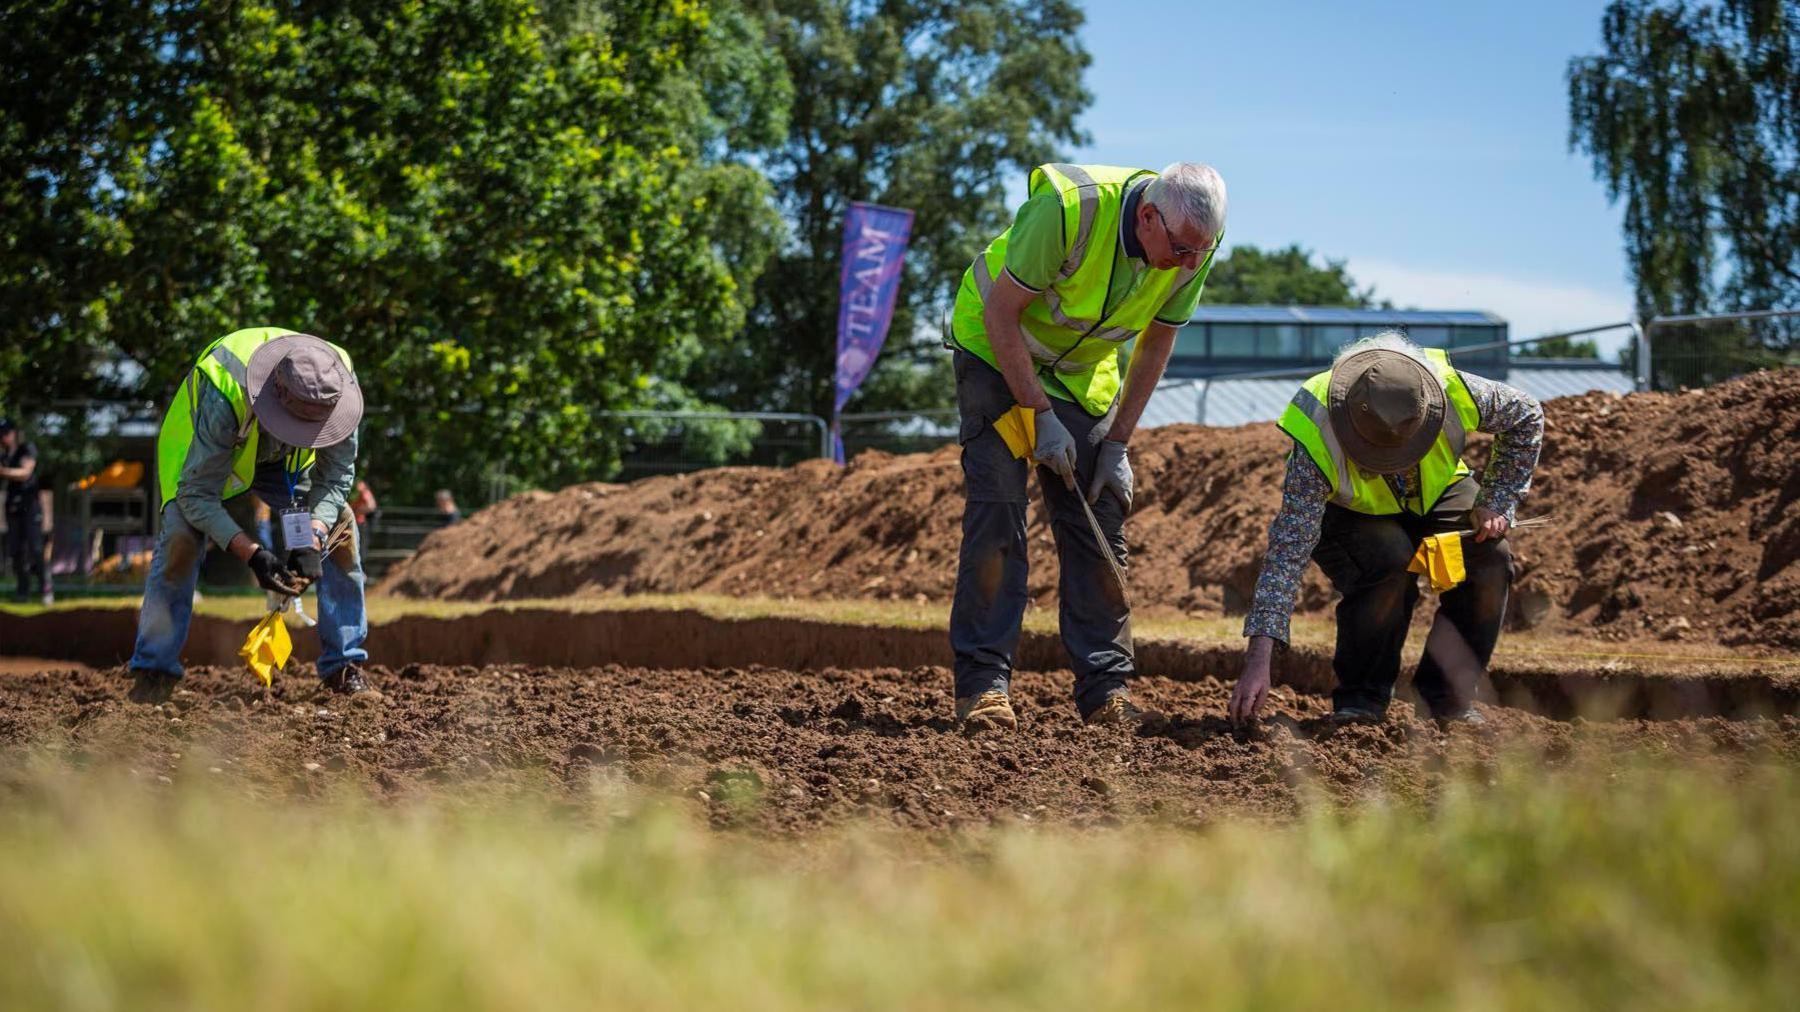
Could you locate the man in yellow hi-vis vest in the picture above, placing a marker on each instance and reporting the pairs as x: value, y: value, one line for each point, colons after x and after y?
x: 1377, y: 468
x: 274, y: 412
x: 1096, y: 256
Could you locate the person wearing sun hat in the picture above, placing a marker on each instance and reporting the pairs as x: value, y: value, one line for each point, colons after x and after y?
x: 275, y: 412
x: 1376, y: 467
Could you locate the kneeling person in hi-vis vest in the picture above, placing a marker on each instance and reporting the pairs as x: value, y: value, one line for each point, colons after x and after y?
x: 274, y: 412
x: 1375, y: 469
x: 1095, y: 257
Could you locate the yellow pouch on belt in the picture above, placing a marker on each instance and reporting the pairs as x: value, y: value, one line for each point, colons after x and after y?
x: 1440, y: 558
x: 267, y: 647
x: 1019, y: 428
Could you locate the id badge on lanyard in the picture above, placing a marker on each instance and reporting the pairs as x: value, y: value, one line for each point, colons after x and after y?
x: 296, y: 520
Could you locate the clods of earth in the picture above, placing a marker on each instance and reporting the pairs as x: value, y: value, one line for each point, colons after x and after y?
x: 790, y: 752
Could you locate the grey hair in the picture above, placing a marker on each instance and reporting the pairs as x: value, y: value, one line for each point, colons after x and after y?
x: 1387, y: 340
x: 1192, y: 193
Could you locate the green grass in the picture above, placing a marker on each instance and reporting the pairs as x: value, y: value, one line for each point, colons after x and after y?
x: 1669, y: 889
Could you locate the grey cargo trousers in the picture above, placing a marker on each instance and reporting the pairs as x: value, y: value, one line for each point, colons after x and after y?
x: 991, y: 571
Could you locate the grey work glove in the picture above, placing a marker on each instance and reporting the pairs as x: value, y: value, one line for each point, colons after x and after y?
x: 1112, y: 470
x: 1055, y: 447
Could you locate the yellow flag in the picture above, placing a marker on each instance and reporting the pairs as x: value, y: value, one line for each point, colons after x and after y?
x: 1440, y: 559
x: 1019, y: 428
x: 267, y: 648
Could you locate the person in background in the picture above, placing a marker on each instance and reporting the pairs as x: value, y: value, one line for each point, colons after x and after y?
x: 24, y: 511
x: 447, y: 513
x: 364, y: 508
x: 265, y: 521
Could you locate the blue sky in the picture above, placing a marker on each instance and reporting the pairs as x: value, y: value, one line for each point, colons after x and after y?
x: 1425, y: 143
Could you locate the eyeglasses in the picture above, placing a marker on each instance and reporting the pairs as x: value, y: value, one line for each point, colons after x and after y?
x: 1178, y: 249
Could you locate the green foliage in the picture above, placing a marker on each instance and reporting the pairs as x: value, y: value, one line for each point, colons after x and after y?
x: 512, y: 215
x: 1565, y: 347
x: 1284, y: 277
x: 1691, y: 114
x: 925, y: 104
x: 1517, y: 887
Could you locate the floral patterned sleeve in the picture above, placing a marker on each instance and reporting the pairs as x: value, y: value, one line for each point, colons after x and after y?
x: 1517, y: 422
x: 1292, y: 537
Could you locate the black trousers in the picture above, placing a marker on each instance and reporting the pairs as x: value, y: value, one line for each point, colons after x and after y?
x: 992, y: 567
x: 1365, y: 557
x: 25, y: 549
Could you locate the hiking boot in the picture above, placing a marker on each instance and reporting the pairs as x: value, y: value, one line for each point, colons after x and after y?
x: 348, y: 681
x: 991, y: 709
x: 151, y: 687
x: 1468, y: 717
x: 1117, y: 711
x: 1355, y: 715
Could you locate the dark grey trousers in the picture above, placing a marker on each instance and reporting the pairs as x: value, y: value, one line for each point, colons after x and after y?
x: 1365, y: 557
x: 990, y: 574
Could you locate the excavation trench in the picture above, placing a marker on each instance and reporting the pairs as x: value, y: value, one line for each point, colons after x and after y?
x: 657, y: 638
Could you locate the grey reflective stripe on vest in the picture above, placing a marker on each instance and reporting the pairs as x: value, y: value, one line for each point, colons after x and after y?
x: 239, y: 371
x: 1089, y: 195
x: 1453, y: 427
x: 1316, y: 412
x: 984, y: 283
x: 1053, y: 302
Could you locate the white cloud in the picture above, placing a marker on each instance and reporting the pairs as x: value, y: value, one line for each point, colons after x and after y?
x: 1533, y: 307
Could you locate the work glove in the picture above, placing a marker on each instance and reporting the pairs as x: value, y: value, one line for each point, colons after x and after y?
x: 271, y: 575
x: 307, y: 563
x: 1112, y: 470
x: 1055, y: 447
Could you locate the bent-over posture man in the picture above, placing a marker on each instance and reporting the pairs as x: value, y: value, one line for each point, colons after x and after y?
x: 1095, y: 257
x: 1376, y: 467
x: 275, y: 412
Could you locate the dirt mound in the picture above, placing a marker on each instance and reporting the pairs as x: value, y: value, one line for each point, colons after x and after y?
x: 1675, y: 518
x: 790, y: 752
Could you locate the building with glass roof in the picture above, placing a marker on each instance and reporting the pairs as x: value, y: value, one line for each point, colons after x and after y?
x: 1235, y: 339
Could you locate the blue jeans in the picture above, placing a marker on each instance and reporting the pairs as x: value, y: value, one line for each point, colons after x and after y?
x: 169, y: 593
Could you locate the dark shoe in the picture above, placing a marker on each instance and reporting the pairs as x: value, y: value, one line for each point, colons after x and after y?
x: 1355, y: 715
x: 1470, y: 717
x: 152, y: 687
x: 1117, y: 711
x: 348, y: 681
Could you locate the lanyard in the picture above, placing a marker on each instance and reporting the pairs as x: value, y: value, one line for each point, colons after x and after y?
x: 292, y: 473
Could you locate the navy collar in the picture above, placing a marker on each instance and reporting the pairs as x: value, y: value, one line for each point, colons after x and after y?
x: 1128, y: 220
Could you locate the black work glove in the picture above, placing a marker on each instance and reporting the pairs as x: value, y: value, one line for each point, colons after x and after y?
x: 271, y: 575
x: 306, y: 562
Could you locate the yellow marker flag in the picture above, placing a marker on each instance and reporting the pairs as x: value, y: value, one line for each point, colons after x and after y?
x: 1019, y: 428
x: 267, y: 648
x: 1440, y: 558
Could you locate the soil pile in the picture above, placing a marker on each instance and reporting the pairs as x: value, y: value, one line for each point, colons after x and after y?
x: 1675, y: 518
x: 781, y: 751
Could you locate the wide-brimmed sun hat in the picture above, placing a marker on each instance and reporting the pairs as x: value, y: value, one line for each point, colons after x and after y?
x: 1387, y: 408
x: 302, y: 391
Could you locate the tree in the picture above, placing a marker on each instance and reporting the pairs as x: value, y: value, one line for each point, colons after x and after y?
x: 1565, y: 347
x: 925, y: 104
x: 1691, y: 115
x: 511, y: 214
x: 1283, y: 277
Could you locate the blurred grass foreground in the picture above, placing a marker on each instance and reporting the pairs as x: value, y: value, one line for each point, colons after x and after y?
x: 1526, y: 888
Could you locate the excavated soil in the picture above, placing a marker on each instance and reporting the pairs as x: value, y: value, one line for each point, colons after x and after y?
x: 779, y: 751
x: 1675, y: 519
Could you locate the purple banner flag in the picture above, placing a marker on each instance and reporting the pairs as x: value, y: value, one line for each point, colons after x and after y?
x: 874, y: 245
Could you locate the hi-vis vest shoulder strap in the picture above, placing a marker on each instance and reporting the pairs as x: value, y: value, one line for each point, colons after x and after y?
x: 1308, y: 421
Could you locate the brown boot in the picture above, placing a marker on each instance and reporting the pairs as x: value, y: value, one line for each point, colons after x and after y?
x: 1117, y: 711
x: 991, y: 709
